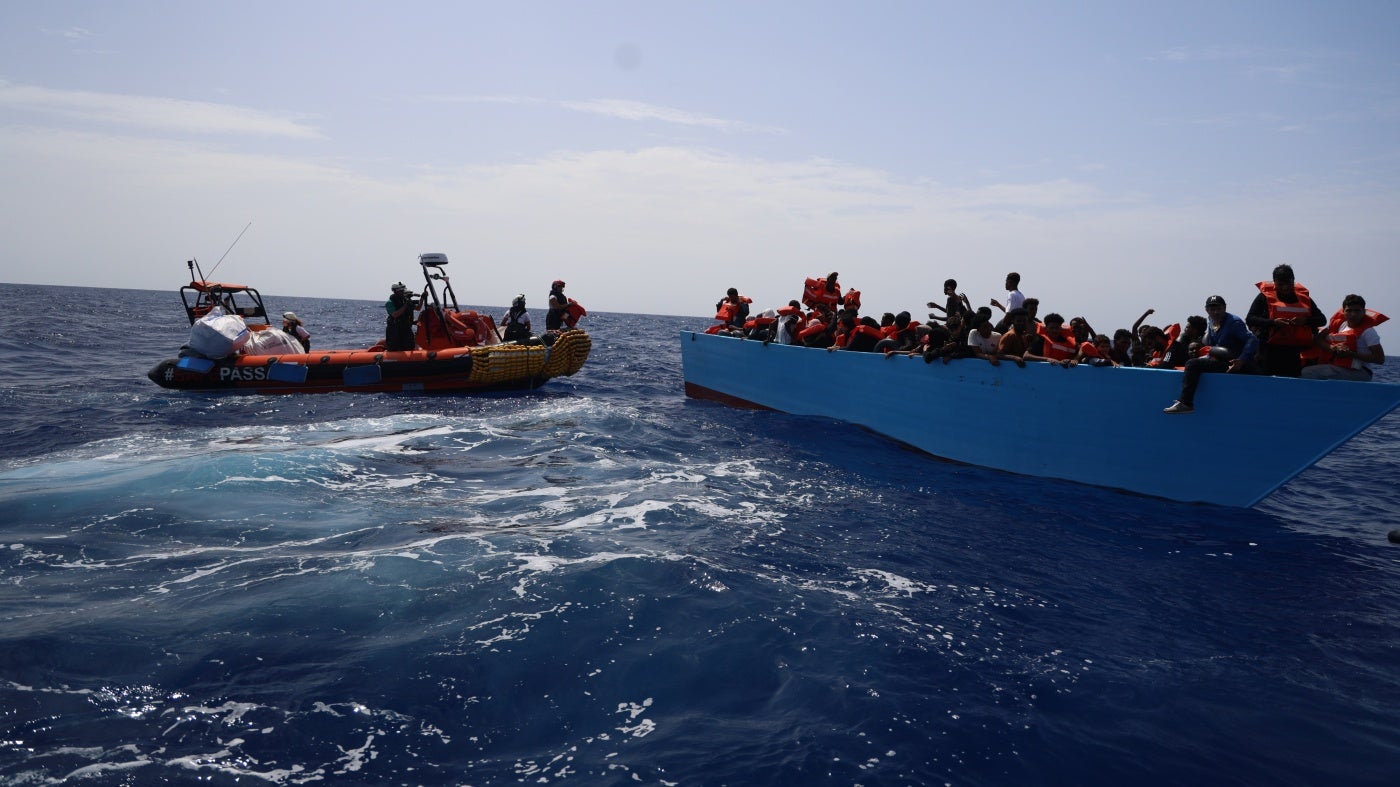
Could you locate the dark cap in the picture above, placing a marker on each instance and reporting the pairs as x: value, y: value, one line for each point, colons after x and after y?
x: 1215, y: 300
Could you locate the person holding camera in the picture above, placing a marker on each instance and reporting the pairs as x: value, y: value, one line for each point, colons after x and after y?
x: 398, y: 327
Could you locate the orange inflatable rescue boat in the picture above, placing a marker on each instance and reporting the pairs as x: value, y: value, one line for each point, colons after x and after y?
x: 234, y: 347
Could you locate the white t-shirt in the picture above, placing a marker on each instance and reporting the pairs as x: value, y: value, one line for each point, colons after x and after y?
x: 1368, y: 339
x: 987, y: 345
x: 1015, y: 300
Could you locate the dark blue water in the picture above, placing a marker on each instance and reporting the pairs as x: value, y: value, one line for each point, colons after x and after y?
x: 603, y: 582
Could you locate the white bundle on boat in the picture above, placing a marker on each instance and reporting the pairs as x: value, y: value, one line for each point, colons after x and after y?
x: 272, y: 342
x: 218, y: 335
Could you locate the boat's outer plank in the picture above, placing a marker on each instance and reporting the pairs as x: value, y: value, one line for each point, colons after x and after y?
x: 1248, y: 436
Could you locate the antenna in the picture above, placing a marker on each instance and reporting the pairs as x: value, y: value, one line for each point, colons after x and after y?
x: 230, y: 248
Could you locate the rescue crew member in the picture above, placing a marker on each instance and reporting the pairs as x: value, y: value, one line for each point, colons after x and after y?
x: 1352, y: 342
x: 1285, y: 317
x: 558, y: 307
x: 398, y: 327
x: 292, y: 324
x: 516, y: 322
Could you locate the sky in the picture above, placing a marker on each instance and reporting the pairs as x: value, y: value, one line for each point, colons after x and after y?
x: 1119, y: 155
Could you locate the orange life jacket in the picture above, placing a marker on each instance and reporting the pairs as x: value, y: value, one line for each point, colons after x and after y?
x: 814, y: 291
x: 1172, y: 331
x: 573, y: 312
x: 852, y: 299
x: 1317, y: 354
x: 1350, y: 338
x: 1061, y: 349
x: 1288, y: 335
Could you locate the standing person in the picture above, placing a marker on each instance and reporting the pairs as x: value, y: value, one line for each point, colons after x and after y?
x: 292, y: 324
x: 1014, y: 298
x: 398, y: 327
x: 1285, y: 317
x: 516, y: 321
x: 1232, y: 350
x: 1352, y: 342
x: 957, y: 302
x: 558, y: 307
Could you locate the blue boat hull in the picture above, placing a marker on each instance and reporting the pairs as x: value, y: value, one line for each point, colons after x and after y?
x: 1100, y: 426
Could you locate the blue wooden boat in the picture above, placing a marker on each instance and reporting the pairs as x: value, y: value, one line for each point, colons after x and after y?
x: 1100, y: 426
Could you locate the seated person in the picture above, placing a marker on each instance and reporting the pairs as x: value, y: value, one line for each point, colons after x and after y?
x: 985, y: 343
x: 1015, y: 342
x: 1096, y: 353
x: 1351, y: 345
x: 1232, y: 350
x: 901, y: 336
x: 1058, y: 343
x: 1187, y: 345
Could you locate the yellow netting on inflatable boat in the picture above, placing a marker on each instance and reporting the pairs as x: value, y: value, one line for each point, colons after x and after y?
x: 499, y: 363
x: 568, y: 354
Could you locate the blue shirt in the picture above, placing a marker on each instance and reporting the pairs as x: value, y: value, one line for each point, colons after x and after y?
x: 1235, y: 336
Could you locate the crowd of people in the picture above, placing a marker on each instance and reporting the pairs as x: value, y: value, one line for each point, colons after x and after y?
x: 1284, y: 333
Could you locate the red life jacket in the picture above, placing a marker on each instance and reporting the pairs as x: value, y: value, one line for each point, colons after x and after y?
x: 852, y: 300
x: 1061, y: 349
x: 1288, y: 335
x: 1089, y: 350
x: 814, y: 291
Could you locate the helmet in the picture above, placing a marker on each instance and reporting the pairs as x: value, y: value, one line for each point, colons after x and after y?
x: 519, y: 300
x: 399, y: 287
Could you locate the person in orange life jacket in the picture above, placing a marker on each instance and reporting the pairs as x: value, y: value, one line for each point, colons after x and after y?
x: 1154, y: 345
x: 292, y: 324
x: 1014, y: 298
x: 516, y: 321
x: 900, y: 337
x: 398, y: 326
x: 734, y: 307
x: 1232, y: 350
x: 1082, y: 331
x: 1353, y: 345
x: 860, y: 335
x: 1058, y: 345
x: 820, y: 328
x: 1187, y: 345
x: 1285, y: 318
x: 788, y: 324
x: 1098, y: 352
x: 957, y: 302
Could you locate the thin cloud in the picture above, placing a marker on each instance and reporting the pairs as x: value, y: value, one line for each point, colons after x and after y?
x: 636, y: 110
x: 620, y: 109
x: 168, y: 114
x: 70, y: 33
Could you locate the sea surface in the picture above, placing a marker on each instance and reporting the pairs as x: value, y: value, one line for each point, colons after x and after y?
x: 603, y: 582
